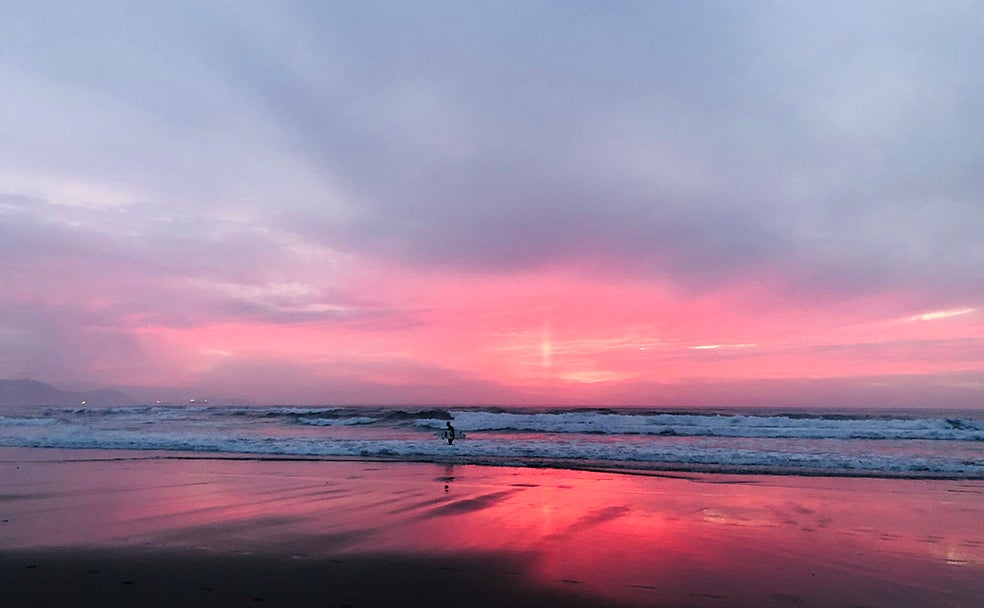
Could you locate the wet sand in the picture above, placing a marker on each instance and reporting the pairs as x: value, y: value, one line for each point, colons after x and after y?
x: 87, y: 528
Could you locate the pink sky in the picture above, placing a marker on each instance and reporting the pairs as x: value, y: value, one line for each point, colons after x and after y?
x: 658, y: 204
x: 553, y: 337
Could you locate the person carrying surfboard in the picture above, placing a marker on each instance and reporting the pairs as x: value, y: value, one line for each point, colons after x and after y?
x: 450, y: 433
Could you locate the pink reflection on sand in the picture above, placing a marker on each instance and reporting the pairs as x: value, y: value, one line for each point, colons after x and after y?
x: 692, y: 540
x: 631, y: 537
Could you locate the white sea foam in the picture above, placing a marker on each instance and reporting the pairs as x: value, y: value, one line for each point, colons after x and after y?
x: 355, y: 420
x: 874, y: 445
x: 569, y: 453
x: 25, y: 421
x: 720, y: 425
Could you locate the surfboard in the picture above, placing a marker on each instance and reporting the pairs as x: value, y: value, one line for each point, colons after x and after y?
x: 444, y: 434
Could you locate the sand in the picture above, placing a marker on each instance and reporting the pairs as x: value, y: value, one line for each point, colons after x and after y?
x: 91, y: 528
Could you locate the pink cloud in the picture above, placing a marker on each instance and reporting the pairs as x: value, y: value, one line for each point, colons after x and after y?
x: 558, y: 336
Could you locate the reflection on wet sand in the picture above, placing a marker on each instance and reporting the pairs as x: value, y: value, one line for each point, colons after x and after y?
x: 690, y: 540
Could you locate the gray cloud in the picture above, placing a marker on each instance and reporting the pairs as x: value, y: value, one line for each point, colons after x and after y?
x: 170, y: 269
x: 690, y: 141
x: 836, y: 141
x: 185, y: 161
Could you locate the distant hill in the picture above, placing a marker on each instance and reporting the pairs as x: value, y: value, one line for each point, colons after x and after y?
x: 30, y: 392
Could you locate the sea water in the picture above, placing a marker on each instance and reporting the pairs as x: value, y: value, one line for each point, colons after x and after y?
x: 870, y: 443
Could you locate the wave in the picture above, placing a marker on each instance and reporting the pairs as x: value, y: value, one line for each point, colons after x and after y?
x: 873, y: 444
x: 26, y: 421
x: 355, y: 421
x: 569, y: 454
x: 561, y: 422
x: 302, y: 415
x: 721, y: 425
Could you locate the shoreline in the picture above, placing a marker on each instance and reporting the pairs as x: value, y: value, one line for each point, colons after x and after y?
x: 329, y: 533
x: 632, y: 468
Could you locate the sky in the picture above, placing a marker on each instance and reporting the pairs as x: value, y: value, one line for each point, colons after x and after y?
x: 608, y: 203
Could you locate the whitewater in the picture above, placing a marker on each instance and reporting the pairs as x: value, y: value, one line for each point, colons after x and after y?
x: 909, y: 444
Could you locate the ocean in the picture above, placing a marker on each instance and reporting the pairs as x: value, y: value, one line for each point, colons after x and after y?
x: 874, y: 443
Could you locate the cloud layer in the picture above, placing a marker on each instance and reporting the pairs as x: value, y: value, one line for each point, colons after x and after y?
x: 496, y: 201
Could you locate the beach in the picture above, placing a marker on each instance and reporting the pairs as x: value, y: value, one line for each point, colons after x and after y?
x: 122, y: 528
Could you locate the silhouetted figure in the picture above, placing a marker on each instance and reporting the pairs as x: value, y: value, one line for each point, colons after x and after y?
x: 450, y: 431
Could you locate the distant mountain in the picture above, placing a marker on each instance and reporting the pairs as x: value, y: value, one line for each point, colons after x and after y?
x: 30, y: 392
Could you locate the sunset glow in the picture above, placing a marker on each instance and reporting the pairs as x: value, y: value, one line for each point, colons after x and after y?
x: 654, y: 204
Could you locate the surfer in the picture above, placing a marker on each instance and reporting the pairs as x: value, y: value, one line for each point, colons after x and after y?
x: 450, y: 433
